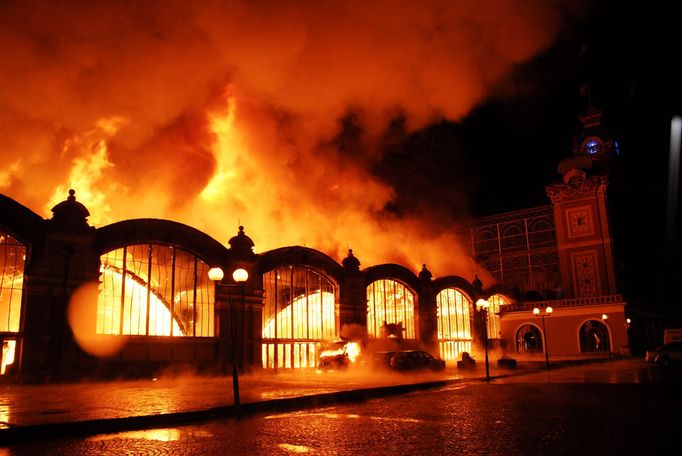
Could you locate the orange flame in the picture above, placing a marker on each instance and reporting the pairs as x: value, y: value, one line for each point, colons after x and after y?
x: 266, y: 154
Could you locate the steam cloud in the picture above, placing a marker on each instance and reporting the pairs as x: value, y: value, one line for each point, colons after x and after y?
x: 220, y: 113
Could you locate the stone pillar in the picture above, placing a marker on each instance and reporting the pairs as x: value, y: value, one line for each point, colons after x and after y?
x: 64, y: 261
x: 428, y: 312
x: 353, y: 296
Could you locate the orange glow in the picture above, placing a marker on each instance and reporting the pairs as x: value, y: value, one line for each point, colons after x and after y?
x: 234, y: 115
x: 108, y: 319
x: 320, y: 308
x: 317, y: 309
x: 8, y: 350
x: 12, y: 259
x: 454, y: 323
x: 88, y: 168
x: 82, y: 316
x: 390, y: 302
x: 353, y: 351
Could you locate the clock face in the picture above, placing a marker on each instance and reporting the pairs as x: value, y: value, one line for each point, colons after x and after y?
x: 579, y: 222
x: 592, y: 146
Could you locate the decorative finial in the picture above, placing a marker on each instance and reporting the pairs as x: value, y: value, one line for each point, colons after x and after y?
x: 350, y: 263
x: 72, y: 195
x: 425, y: 274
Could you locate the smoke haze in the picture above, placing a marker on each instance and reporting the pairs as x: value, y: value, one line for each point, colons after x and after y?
x: 220, y: 113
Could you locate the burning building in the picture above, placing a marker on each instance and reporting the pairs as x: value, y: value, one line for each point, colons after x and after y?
x: 278, y: 116
x: 146, y: 294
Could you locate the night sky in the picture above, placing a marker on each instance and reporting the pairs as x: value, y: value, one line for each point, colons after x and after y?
x: 504, y: 153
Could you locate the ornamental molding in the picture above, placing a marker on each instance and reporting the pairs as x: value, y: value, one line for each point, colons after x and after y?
x: 577, y: 186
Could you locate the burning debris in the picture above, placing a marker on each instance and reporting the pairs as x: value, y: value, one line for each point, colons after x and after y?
x: 345, y: 354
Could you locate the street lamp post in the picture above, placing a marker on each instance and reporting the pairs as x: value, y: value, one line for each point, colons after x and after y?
x: 547, y: 313
x: 240, y: 276
x: 482, y: 304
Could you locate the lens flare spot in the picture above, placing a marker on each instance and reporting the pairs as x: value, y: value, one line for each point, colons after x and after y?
x: 82, y: 315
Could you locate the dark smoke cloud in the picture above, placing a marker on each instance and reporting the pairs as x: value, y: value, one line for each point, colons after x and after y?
x: 217, y: 113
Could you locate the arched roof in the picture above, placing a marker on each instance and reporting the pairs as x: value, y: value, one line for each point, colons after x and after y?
x: 157, y: 231
x: 19, y: 221
x: 500, y: 289
x: 304, y: 256
x: 392, y: 271
x: 463, y: 284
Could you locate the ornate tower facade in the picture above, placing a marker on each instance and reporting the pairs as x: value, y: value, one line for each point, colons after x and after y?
x: 581, y: 214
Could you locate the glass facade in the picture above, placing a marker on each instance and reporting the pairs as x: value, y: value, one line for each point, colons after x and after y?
x: 495, y: 301
x: 12, y: 260
x: 300, y: 314
x: 454, y: 323
x: 390, y: 309
x: 154, y: 290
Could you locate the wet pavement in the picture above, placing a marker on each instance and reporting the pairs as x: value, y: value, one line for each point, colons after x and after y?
x: 25, y: 405
x: 88, y: 408
x: 617, y: 407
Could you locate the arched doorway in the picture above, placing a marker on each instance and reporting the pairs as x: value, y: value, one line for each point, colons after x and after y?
x: 390, y: 310
x: 454, y: 323
x: 300, y: 313
x: 594, y: 337
x: 12, y: 262
x: 529, y: 339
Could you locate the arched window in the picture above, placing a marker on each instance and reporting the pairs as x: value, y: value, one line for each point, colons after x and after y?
x: 300, y: 313
x: 454, y: 323
x: 529, y: 339
x: 495, y: 301
x: 390, y: 310
x: 154, y: 290
x: 12, y: 259
x: 594, y: 337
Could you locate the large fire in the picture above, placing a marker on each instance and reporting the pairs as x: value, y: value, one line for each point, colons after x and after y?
x: 221, y: 113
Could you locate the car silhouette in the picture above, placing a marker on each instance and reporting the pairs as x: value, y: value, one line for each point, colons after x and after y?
x: 411, y: 360
x: 666, y: 355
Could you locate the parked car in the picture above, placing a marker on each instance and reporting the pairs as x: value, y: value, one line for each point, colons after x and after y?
x: 666, y: 355
x: 416, y: 360
x: 380, y: 359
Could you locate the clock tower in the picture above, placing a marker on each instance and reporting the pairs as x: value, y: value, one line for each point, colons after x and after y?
x: 581, y: 215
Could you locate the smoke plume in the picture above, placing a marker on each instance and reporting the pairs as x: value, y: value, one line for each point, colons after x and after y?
x: 220, y: 113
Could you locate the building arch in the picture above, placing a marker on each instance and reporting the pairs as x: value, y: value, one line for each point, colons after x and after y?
x: 297, y: 255
x: 392, y: 271
x: 455, y: 312
x: 20, y: 222
x: 495, y: 303
x: 530, y: 339
x: 12, y: 273
x: 453, y: 281
x: 154, y: 289
x: 300, y: 314
x: 158, y: 231
x: 513, y: 236
x: 594, y: 337
x: 391, y: 309
x: 486, y: 240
